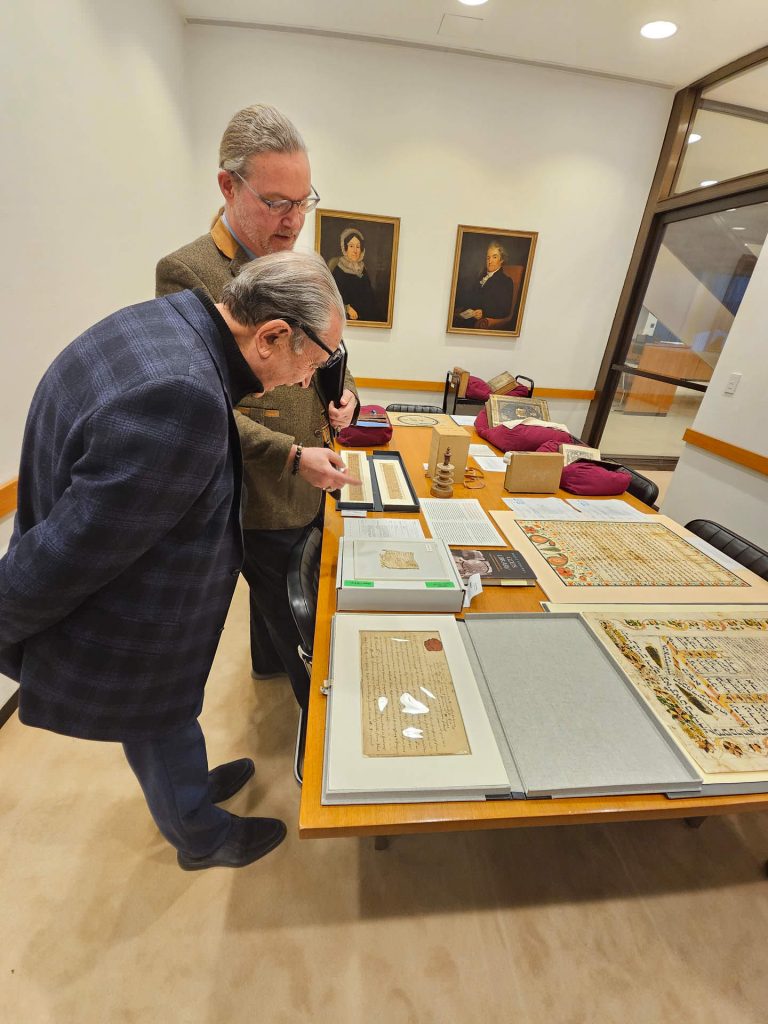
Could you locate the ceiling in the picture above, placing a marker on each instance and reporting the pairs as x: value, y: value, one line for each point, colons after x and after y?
x: 599, y: 36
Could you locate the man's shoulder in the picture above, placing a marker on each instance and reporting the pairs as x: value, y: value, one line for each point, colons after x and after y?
x: 199, y: 264
x: 149, y: 338
x: 200, y: 247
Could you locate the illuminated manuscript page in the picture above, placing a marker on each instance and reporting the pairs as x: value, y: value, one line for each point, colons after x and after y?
x: 408, y: 701
x: 703, y: 672
x: 633, y: 562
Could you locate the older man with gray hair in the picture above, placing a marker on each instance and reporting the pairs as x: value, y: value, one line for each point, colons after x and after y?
x: 127, y: 542
x: 264, y: 177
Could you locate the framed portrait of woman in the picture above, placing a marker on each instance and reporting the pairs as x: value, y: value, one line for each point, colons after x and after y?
x: 361, y: 252
x: 491, y: 272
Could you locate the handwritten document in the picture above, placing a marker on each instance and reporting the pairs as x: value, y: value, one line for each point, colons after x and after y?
x: 610, y: 554
x: 407, y: 697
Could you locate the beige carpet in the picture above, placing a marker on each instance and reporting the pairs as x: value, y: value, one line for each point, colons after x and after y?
x: 629, y: 923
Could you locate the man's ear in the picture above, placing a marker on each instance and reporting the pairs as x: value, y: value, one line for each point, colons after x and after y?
x: 227, y: 185
x: 268, y: 335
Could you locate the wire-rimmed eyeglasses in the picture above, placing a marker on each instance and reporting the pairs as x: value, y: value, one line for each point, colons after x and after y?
x: 334, y: 357
x: 283, y: 206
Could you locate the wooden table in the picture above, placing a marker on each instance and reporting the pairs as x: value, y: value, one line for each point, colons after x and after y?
x: 316, y: 820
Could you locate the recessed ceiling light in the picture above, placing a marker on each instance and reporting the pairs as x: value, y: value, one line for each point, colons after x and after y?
x: 658, y: 29
x: 709, y: 181
x: 474, y: 3
x: 738, y: 229
x: 694, y: 137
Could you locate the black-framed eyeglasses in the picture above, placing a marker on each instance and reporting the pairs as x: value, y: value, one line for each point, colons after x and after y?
x: 334, y: 357
x: 283, y: 206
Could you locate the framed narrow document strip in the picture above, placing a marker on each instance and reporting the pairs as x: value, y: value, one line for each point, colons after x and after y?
x: 357, y: 466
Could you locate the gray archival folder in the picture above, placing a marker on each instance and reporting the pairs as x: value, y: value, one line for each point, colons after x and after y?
x: 566, y: 720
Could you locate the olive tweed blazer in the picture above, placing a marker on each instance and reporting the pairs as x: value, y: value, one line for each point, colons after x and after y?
x: 270, y: 425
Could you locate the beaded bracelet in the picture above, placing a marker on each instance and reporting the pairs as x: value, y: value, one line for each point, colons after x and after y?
x: 296, y: 460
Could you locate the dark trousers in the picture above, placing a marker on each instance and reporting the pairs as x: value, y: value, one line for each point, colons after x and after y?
x: 173, y: 773
x: 265, y: 568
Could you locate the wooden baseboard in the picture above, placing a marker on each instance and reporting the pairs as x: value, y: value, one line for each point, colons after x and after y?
x: 730, y: 452
x: 8, y: 494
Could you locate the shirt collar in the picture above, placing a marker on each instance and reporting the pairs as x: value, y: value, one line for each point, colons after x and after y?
x: 251, y: 255
x: 489, y: 275
x: 242, y: 379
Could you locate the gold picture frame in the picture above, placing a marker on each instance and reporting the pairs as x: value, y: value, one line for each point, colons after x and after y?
x: 491, y: 274
x: 361, y: 252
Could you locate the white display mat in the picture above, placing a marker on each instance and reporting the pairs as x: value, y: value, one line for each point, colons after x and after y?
x: 351, y: 777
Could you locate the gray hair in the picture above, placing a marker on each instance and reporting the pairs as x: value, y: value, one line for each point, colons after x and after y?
x: 297, y: 285
x: 500, y: 250
x: 254, y: 130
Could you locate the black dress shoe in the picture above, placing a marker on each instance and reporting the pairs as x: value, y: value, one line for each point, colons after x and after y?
x: 227, y: 779
x: 249, y: 839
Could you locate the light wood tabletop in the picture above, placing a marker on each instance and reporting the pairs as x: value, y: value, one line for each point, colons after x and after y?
x: 317, y: 820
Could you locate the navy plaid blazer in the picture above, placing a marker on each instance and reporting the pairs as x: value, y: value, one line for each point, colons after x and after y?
x: 127, y: 541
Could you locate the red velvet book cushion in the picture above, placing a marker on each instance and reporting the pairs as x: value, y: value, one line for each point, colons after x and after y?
x: 358, y: 435
x: 526, y: 437
x: 477, y: 390
x: 586, y: 477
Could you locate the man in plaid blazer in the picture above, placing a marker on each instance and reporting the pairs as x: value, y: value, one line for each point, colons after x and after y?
x: 127, y: 542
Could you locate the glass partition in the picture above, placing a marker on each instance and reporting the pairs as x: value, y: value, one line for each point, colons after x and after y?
x: 699, y: 277
x: 729, y: 136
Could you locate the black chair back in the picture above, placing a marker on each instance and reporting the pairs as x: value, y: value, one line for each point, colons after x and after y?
x: 740, y: 550
x: 303, y: 581
x: 397, y: 407
x: 641, y: 487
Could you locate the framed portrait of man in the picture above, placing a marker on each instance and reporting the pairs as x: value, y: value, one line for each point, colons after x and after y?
x: 491, y: 272
x: 361, y: 252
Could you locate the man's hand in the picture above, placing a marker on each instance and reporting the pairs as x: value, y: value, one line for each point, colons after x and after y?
x: 341, y: 415
x: 323, y: 468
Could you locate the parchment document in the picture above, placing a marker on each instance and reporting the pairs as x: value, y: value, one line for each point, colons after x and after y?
x: 408, y: 701
x: 595, y: 554
x: 392, y: 486
x: 707, y: 679
x: 357, y: 465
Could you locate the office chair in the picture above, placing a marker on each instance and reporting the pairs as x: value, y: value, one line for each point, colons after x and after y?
x: 740, y: 550
x: 303, y: 580
x: 432, y: 409
x: 641, y: 487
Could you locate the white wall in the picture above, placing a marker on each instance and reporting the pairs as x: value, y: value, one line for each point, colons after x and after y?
x: 95, y: 181
x: 441, y: 140
x: 706, y: 486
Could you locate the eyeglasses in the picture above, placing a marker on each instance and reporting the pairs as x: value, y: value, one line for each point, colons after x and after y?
x: 334, y: 357
x: 283, y: 206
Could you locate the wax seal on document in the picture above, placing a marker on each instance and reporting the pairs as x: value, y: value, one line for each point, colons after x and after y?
x: 433, y: 644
